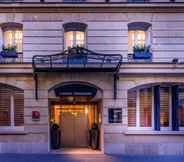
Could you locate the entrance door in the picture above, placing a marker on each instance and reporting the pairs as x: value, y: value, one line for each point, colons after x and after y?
x: 74, y: 129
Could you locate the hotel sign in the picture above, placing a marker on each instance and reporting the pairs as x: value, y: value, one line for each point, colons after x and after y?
x: 75, y: 93
x: 76, y: 90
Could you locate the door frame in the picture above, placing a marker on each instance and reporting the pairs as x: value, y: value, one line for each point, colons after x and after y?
x: 99, y: 103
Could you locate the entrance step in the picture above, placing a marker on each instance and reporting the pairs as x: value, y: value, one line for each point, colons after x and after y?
x: 79, y: 151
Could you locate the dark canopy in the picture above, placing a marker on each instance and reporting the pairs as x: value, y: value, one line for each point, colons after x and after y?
x: 75, y: 90
x: 77, y: 59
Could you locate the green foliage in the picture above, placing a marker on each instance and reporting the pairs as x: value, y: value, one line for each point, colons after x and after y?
x: 138, y: 48
x: 9, y: 48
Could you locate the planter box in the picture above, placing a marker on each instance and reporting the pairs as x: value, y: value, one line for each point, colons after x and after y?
x: 76, y: 59
x: 142, y: 55
x: 8, y: 54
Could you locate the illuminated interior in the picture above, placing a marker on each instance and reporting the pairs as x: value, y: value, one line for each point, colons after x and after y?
x: 136, y: 38
x: 90, y: 110
x: 13, y: 38
x: 74, y: 38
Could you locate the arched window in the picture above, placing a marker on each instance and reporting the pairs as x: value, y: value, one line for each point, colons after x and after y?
x: 140, y: 107
x: 156, y: 107
x: 138, y: 35
x: 11, y: 106
x: 12, y: 36
x: 181, y: 106
x: 74, y: 35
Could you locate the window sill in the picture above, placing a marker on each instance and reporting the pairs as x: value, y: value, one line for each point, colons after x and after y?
x: 12, y: 131
x: 152, y: 132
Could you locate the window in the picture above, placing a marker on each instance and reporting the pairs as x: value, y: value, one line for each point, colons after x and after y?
x: 12, y: 36
x: 136, y: 38
x: 132, y: 108
x: 11, y: 106
x: 138, y: 35
x: 181, y: 106
x: 74, y: 39
x: 141, y: 107
x: 74, y: 35
x: 164, y: 106
x: 145, y: 107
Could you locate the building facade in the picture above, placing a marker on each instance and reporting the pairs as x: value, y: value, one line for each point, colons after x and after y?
x: 115, y: 64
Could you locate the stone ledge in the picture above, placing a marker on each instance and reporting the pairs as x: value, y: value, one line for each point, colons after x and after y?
x: 12, y: 131
x: 150, y: 132
x: 14, y: 147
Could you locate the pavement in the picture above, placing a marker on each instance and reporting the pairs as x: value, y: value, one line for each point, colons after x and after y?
x: 86, y: 158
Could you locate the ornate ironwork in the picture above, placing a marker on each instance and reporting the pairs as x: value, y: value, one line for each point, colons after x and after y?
x: 77, y: 59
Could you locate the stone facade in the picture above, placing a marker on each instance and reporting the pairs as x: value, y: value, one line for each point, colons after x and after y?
x: 107, y: 33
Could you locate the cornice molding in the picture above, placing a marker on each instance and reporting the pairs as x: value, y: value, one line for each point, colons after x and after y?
x: 120, y: 7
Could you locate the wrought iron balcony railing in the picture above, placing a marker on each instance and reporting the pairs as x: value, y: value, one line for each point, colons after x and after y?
x: 77, y: 59
x: 21, y: 59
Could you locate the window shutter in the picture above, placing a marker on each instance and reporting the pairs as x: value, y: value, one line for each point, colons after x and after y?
x: 132, y: 108
x: 157, y: 108
x: 5, y: 119
x: 19, y: 108
x: 164, y: 106
x: 146, y: 107
x: 175, y: 106
x: 181, y: 106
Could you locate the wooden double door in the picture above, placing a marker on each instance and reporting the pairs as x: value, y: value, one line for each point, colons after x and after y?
x: 74, y: 129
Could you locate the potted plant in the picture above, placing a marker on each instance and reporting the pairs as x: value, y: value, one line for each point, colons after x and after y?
x: 76, y: 55
x: 142, y: 52
x: 94, y: 136
x: 9, y: 52
x: 55, y: 135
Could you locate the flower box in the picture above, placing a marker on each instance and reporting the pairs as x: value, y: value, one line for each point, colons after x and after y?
x: 142, y: 55
x: 8, y: 54
x: 142, y: 52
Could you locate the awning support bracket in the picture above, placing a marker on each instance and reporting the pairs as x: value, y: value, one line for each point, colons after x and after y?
x: 68, y: 60
x: 36, y: 85
x: 115, y: 77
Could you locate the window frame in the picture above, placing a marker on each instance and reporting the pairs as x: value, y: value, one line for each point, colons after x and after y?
x: 74, y: 27
x: 13, y: 27
x: 181, y: 128
x: 138, y: 127
x: 132, y: 42
x: 139, y: 26
x: 169, y: 128
x: 12, y: 127
x: 13, y: 30
x: 74, y: 33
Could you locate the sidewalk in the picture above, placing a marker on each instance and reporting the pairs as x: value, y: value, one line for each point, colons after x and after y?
x: 86, y: 158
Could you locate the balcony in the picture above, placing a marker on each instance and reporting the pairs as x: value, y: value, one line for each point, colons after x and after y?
x: 21, y: 59
x: 73, y: 1
x: 77, y: 59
